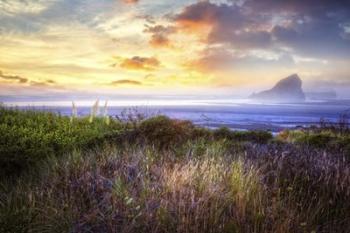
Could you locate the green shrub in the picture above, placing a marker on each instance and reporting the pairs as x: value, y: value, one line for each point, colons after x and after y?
x: 223, y: 133
x: 165, y: 132
x: 316, y: 140
x: 261, y: 137
x: 201, y: 133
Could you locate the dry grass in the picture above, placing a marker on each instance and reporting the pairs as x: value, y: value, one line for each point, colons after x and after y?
x: 141, y: 189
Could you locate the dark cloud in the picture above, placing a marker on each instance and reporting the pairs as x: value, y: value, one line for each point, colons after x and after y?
x: 126, y: 82
x: 160, y: 35
x: 13, y: 78
x: 300, y: 6
x: 315, y: 28
x: 230, y: 24
x: 317, y: 38
x: 140, y: 63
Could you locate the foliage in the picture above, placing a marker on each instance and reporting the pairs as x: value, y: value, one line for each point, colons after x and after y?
x: 165, y: 132
x: 252, y: 136
x: 30, y: 136
x: 330, y: 140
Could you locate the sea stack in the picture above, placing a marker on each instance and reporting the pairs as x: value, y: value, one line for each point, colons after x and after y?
x: 286, y: 90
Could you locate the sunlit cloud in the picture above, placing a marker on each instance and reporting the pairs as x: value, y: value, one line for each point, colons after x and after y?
x: 126, y: 82
x: 15, y: 78
x: 130, y: 1
x: 140, y: 63
x: 42, y: 83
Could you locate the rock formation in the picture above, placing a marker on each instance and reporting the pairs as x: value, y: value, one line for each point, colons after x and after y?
x: 286, y: 90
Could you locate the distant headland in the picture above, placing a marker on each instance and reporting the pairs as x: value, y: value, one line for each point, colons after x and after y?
x: 288, y: 89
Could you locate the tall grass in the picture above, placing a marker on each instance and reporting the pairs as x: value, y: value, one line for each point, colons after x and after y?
x: 162, y: 175
x: 140, y: 189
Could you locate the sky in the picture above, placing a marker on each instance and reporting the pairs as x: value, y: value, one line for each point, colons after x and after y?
x: 171, y: 47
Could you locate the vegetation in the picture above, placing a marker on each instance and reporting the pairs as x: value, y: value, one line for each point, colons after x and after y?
x: 326, y: 139
x: 29, y: 136
x: 139, y: 174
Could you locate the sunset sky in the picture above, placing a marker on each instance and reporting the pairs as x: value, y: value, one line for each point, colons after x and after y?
x: 179, y: 47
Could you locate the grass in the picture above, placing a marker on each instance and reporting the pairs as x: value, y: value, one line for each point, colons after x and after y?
x: 163, y: 175
x: 325, y: 138
x: 29, y: 136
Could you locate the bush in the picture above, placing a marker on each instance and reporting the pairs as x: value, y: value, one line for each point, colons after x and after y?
x: 202, y: 133
x: 316, y: 140
x: 164, y: 132
x: 320, y: 138
x: 261, y: 137
x: 223, y: 133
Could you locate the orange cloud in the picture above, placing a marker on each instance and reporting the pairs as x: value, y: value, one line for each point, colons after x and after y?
x: 159, y: 41
x: 140, y: 63
x: 197, y: 17
x: 160, y: 35
x: 130, y: 1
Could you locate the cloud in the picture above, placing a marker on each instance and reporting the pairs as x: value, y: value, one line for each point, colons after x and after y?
x: 316, y: 28
x: 221, y: 59
x: 14, y: 7
x: 319, y: 38
x: 140, y: 63
x: 13, y: 78
x: 160, y: 35
x: 311, y: 28
x: 42, y: 83
x: 229, y: 24
x: 22, y: 80
x: 301, y: 6
x: 130, y: 1
x: 126, y: 82
x: 32, y: 16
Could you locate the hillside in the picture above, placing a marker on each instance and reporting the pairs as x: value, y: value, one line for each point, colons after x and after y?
x: 155, y: 174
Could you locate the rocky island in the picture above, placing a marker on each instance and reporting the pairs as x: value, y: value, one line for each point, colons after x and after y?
x: 288, y: 89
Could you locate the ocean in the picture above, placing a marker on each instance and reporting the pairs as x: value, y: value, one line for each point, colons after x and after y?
x: 213, y: 113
